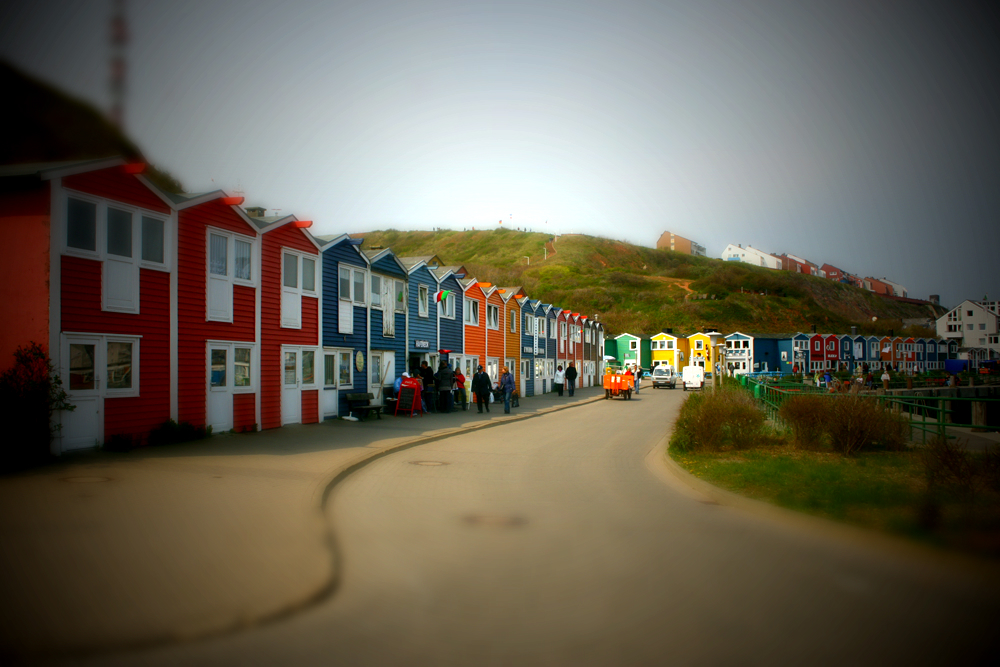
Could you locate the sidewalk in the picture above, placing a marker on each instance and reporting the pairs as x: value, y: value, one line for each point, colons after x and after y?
x: 104, y: 551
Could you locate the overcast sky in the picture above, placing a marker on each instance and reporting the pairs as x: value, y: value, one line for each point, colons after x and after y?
x: 865, y: 134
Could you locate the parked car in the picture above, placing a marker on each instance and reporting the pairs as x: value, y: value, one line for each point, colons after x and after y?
x: 664, y: 376
x: 693, y: 377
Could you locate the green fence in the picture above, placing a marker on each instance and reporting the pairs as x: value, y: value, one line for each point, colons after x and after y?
x: 930, y: 416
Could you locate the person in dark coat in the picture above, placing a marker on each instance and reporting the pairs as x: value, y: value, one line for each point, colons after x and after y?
x: 571, y: 377
x: 482, y: 387
x: 427, y: 375
x: 445, y: 384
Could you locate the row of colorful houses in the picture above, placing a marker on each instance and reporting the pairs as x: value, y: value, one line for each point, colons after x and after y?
x: 787, y: 353
x: 155, y: 306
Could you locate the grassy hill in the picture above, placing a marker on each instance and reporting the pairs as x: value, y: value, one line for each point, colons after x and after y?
x: 638, y: 289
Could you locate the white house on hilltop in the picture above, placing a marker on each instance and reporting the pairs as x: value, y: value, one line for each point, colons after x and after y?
x: 750, y: 255
x: 973, y: 325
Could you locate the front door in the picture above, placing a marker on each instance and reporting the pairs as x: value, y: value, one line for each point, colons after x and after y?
x: 84, y: 426
x: 220, y: 395
x: 291, y: 388
x: 329, y: 394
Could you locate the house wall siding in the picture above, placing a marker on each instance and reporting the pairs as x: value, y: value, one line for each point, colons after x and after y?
x: 344, y: 253
x: 451, y: 330
x: 24, y: 271
x: 113, y: 183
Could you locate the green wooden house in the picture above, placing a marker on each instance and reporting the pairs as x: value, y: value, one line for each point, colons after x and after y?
x: 632, y: 349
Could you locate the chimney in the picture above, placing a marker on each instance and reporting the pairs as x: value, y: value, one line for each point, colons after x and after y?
x: 854, y: 330
x: 813, y: 327
x: 669, y: 330
x: 935, y: 299
x: 256, y: 211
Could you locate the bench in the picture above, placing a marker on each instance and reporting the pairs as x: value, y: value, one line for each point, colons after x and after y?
x: 362, y: 404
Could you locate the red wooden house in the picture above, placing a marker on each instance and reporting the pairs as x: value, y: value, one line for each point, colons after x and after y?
x: 90, y: 280
x: 289, y: 323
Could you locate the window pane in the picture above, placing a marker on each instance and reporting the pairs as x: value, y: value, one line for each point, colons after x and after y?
x: 345, y: 369
x: 309, y: 274
x: 81, y: 367
x: 345, y: 284
x: 291, y: 372
x: 376, y: 290
x: 218, y: 261
x: 400, y: 296
x: 119, y: 233
x: 329, y: 370
x: 376, y: 365
x: 291, y: 278
x: 152, y: 239
x: 219, y: 368
x: 119, y: 365
x: 308, y: 367
x: 359, y: 287
x: 81, y: 224
x: 241, y: 367
x: 244, y: 252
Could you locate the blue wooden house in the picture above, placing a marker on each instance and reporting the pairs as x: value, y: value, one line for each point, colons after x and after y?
x: 344, y: 323
x: 800, y: 352
x: 528, y: 345
x: 930, y: 354
x: 387, y: 318
x: 552, y: 346
x: 451, y: 332
x: 754, y: 353
x: 421, y: 314
x: 543, y: 380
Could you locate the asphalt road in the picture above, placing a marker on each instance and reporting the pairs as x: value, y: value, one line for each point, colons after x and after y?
x: 550, y: 541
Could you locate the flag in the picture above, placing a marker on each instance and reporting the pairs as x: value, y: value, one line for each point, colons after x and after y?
x: 441, y: 295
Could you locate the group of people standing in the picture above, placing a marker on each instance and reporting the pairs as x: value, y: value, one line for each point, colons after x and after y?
x: 446, y: 388
x: 565, y: 379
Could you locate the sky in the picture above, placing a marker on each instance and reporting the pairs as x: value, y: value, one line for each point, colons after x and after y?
x: 864, y: 135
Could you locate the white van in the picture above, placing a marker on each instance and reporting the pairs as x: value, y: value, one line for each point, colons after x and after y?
x: 693, y: 377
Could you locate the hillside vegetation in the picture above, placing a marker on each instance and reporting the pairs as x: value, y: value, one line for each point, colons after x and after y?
x: 644, y: 290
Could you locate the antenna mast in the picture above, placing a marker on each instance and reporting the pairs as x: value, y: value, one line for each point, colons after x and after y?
x: 119, y: 38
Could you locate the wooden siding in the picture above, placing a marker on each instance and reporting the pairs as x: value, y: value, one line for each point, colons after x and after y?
x: 451, y: 330
x: 24, y: 270
x: 114, y: 183
x: 81, y: 312
x: 494, y: 338
x: 357, y: 341
x: 527, y: 343
x: 475, y: 336
x: 310, y: 406
x: 272, y: 335
x: 193, y: 329
x: 422, y: 328
x: 245, y: 412
x: 396, y: 344
x: 512, y: 341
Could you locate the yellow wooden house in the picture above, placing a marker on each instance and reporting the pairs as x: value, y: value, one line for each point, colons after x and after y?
x: 703, y: 348
x: 668, y: 349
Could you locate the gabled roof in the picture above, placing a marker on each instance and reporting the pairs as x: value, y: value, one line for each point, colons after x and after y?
x: 329, y: 240
x: 375, y: 255
x: 429, y: 260
x: 442, y: 272
x: 49, y: 170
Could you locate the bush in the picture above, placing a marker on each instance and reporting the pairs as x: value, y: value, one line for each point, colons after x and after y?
x: 954, y: 474
x: 807, y: 417
x: 728, y: 418
x: 855, y: 423
x: 30, y: 393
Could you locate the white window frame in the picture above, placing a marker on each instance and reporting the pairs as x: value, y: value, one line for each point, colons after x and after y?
x: 632, y: 344
x: 472, y: 312
x: 448, y: 312
x: 230, y: 279
x: 399, y: 287
x: 295, y: 294
x: 376, y: 293
x: 101, y: 362
x: 492, y: 317
x: 423, y: 301
x: 230, y: 347
x: 552, y: 329
x: 513, y: 321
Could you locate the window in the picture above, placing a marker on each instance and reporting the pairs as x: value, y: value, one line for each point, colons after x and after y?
x: 105, y: 364
x: 345, y: 377
x: 982, y: 326
x: 81, y: 224
x: 527, y: 324
x: 969, y: 327
x: 670, y: 344
x: 350, y: 292
x: 699, y: 344
x: 400, y: 292
x: 241, y: 367
x: 448, y: 307
x: 423, y: 307
x: 329, y: 370
x: 492, y: 316
x: 119, y: 365
x: 298, y: 279
x: 376, y: 291
x: 633, y: 345
x: 472, y: 312
x: 308, y: 367
x: 223, y: 273
x: 359, y: 287
x: 375, y: 364
x: 513, y: 321
x: 552, y: 329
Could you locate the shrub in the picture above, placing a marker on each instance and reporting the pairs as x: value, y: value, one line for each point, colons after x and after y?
x: 30, y: 393
x: 855, y: 423
x: 725, y: 419
x: 954, y: 474
x: 807, y: 417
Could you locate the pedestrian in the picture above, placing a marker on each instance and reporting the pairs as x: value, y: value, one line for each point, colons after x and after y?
x: 795, y: 369
x: 559, y: 379
x: 885, y: 379
x: 427, y: 394
x: 445, y: 385
x: 460, y: 389
x: 869, y: 381
x: 571, y: 378
x: 507, y: 387
x: 481, y: 387
x: 638, y: 377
